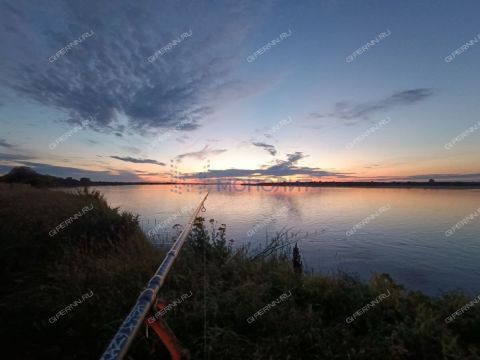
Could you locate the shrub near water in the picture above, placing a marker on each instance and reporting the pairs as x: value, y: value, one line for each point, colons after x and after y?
x: 106, y: 253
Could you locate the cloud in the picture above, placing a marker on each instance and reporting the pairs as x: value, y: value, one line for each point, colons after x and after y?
x: 279, y: 169
x: 14, y: 157
x: 235, y: 173
x: 132, y: 149
x: 107, y: 73
x: 63, y: 171
x: 201, y: 154
x: 446, y: 177
x: 77, y: 173
x: 5, y: 144
x: 286, y: 165
x: 137, y: 161
x: 293, y: 158
x: 363, y: 111
x: 149, y: 173
x: 270, y: 148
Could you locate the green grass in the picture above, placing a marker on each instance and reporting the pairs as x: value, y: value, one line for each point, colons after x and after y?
x: 105, y: 251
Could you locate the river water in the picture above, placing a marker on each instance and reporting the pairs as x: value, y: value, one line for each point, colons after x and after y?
x: 408, y: 233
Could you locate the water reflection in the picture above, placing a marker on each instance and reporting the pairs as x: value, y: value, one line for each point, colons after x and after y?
x: 408, y: 241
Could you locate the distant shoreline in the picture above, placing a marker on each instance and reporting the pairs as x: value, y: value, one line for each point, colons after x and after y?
x: 25, y: 175
x: 405, y: 185
x: 395, y: 184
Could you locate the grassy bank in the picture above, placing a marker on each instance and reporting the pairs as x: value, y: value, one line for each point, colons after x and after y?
x: 103, y: 253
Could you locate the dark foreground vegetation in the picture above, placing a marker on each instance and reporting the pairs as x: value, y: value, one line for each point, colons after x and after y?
x: 104, y: 254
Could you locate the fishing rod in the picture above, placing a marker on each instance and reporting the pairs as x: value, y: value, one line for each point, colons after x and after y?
x: 125, y: 335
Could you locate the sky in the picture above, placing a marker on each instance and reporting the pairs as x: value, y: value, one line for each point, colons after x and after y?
x: 219, y: 90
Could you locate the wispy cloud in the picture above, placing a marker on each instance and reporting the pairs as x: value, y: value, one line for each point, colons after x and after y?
x: 446, y: 177
x: 14, y: 157
x: 109, y: 74
x: 201, y: 154
x: 363, y: 111
x: 5, y: 144
x: 269, y: 148
x: 137, y: 161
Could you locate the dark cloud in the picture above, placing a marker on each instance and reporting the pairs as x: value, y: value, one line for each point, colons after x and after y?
x: 14, y: 157
x: 77, y: 173
x: 280, y: 169
x: 286, y: 165
x: 347, y: 111
x: 107, y: 73
x: 236, y: 173
x: 187, y: 125
x: 5, y: 144
x: 201, y: 154
x: 137, y: 161
x: 269, y: 148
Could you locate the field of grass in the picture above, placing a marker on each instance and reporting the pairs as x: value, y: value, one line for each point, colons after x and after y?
x: 103, y: 254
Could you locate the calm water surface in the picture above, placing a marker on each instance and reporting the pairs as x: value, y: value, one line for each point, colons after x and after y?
x: 404, y: 236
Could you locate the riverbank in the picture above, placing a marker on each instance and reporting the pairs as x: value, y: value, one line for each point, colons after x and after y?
x: 64, y: 295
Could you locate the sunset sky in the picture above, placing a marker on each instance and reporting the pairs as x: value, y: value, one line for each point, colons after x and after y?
x: 307, y: 107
